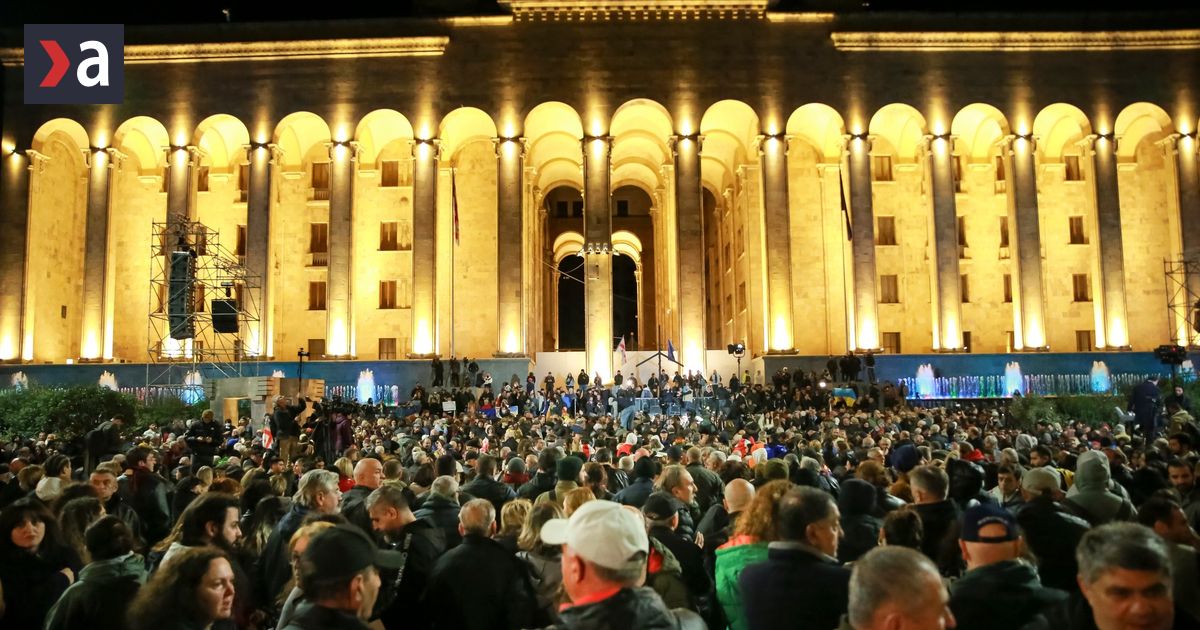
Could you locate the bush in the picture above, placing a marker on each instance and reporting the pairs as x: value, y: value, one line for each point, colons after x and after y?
x: 1028, y: 410
x: 70, y: 412
x: 1091, y: 410
x: 163, y: 411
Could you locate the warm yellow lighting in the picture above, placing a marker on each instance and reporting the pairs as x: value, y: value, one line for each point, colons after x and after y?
x: 511, y: 345
x: 171, y: 349
x: 868, y: 334
x: 423, y: 343
x: 91, y: 346
x: 339, y: 152
x: 781, y: 335
x: 337, y: 338
x: 101, y: 140
x: 509, y: 129
x: 8, y: 348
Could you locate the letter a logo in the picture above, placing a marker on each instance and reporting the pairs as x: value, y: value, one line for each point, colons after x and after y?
x: 74, y: 64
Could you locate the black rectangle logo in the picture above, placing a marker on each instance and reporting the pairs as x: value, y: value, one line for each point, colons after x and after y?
x: 74, y: 64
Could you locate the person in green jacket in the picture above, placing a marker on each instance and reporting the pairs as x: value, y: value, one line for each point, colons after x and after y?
x: 99, y: 598
x: 754, y: 530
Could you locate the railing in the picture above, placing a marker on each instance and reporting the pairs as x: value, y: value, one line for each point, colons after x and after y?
x: 319, y: 259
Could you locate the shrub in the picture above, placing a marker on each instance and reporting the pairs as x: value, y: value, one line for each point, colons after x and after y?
x: 69, y: 412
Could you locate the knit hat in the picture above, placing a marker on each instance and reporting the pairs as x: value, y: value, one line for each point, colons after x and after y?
x: 567, y: 468
x: 906, y: 458
x: 1040, y: 480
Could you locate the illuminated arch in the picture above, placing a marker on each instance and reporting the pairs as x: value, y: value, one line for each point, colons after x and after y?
x: 1057, y: 127
x: 902, y: 127
x: 377, y: 130
x: 1137, y: 123
x: 463, y: 126
x: 567, y: 244
x: 222, y: 138
x: 821, y: 127
x: 979, y: 127
x: 144, y: 139
x: 296, y: 136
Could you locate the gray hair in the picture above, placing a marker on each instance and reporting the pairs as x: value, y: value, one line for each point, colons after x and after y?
x: 445, y: 486
x: 671, y: 477
x: 717, y: 457
x: 810, y: 464
x: 626, y: 463
x: 1127, y: 546
x: 873, y: 582
x: 477, y: 516
x: 314, y: 482
x: 390, y: 495
x: 628, y: 575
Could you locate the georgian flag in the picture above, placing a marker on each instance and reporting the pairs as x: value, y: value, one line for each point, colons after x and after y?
x: 621, y: 349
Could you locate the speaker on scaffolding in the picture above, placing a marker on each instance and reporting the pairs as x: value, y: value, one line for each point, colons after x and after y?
x: 179, y: 295
x: 225, y: 316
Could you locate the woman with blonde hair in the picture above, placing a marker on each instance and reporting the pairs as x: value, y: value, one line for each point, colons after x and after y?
x: 544, y: 561
x: 297, y: 544
x: 576, y: 498
x: 345, y: 471
x: 512, y: 521
x: 754, y: 530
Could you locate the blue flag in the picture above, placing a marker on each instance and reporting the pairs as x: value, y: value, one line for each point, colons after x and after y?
x: 670, y: 351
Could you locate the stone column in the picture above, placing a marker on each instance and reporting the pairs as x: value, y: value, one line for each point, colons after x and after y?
x: 424, y: 247
x: 95, y: 257
x: 689, y: 221
x: 510, y: 228
x: 1024, y: 213
x: 1181, y: 154
x: 777, y: 238
x: 258, y: 245
x: 1110, y: 249
x: 862, y: 214
x: 597, y: 254
x: 19, y: 289
x: 180, y: 161
x: 339, y: 307
x: 945, y: 233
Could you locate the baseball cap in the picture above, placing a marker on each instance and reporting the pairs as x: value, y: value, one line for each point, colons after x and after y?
x: 1040, y: 480
x: 658, y: 507
x: 342, y: 551
x: 984, y: 515
x: 601, y: 532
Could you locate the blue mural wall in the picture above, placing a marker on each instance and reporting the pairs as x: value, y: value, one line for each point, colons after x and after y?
x: 896, y: 366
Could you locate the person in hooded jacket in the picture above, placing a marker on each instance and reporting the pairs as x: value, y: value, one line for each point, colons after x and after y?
x: 105, y: 588
x: 966, y: 484
x: 636, y: 493
x: 1094, y: 496
x: 1000, y: 590
x: 860, y: 526
x: 1051, y: 530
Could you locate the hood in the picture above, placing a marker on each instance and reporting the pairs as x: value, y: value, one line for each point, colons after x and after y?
x: 128, y: 565
x: 637, y: 607
x: 1092, y: 472
x: 670, y: 564
x: 966, y: 479
x: 1011, y: 584
x: 856, y: 497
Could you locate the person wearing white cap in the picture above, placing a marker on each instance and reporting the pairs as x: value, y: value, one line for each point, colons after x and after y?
x: 603, y: 568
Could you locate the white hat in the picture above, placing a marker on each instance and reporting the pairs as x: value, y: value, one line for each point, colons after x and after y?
x: 49, y: 488
x: 601, y: 532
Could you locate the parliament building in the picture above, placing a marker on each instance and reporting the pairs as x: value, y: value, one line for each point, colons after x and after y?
x: 564, y: 174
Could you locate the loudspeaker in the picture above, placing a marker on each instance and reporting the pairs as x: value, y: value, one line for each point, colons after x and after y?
x: 179, y: 295
x: 224, y: 316
x: 1171, y: 355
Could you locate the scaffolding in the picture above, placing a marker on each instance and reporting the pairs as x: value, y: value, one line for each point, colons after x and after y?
x: 1183, y: 300
x: 176, y: 367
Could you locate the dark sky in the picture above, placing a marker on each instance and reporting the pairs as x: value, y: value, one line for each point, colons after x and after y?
x: 14, y: 14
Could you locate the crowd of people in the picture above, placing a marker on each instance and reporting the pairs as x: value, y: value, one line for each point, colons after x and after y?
x: 790, y: 508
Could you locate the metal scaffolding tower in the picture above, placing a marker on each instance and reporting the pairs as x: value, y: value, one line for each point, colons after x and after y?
x: 1183, y: 300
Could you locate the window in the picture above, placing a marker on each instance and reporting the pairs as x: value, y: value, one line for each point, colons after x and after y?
x: 202, y: 243
x: 1083, y: 287
x: 1074, y: 173
x: 889, y: 290
x: 316, y: 347
x: 741, y: 297
x: 966, y: 341
x: 316, y: 296
x: 241, y: 241
x: 387, y: 294
x: 202, y: 179
x: 387, y: 348
x: 389, y: 176
x: 561, y: 208
x: 198, y: 298
x: 962, y: 237
x: 1010, y: 342
x: 389, y: 232
x: 885, y: 231
x: 1085, y: 341
x: 1000, y: 174
x: 320, y: 180
x: 891, y: 342
x: 622, y: 208
x: 1008, y: 288
x: 577, y: 208
x: 728, y: 306
x: 965, y: 288
x: 728, y: 258
x: 741, y: 243
x: 243, y: 182
x: 1078, y: 236
x: 318, y: 243
x: 1003, y: 231
x: 957, y: 163
x: 881, y: 168
x: 404, y: 293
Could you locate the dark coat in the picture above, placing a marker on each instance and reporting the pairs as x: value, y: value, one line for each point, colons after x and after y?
x: 148, y: 497
x: 283, y: 420
x: 354, y: 507
x: 443, y: 513
x: 940, y: 541
x: 1052, y: 534
x: 861, y: 526
x: 542, y: 481
x: 204, y: 438
x: 480, y: 585
x: 815, y: 589
x: 99, y: 598
x: 400, y: 604
x: 1076, y: 614
x: 275, y: 565
x: 709, y: 489
x: 1144, y: 402
x: 640, y: 608
x: 637, y: 493
x: 32, y: 583
x: 1001, y: 596
x: 310, y: 616
x: 497, y: 492
x: 691, y: 560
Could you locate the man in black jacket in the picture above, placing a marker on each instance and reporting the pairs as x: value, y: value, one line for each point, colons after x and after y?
x: 661, y: 522
x: 480, y: 584
x: 801, y: 569
x: 420, y: 541
x: 147, y: 493
x: 368, y: 475
x: 486, y: 486
x: 104, y: 481
x: 1051, y: 531
x: 939, y: 516
x: 677, y: 482
x: 1144, y: 401
x: 544, y: 479
x: 339, y: 574
x: 1000, y: 590
x: 708, y: 484
x: 204, y: 438
x: 285, y: 427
